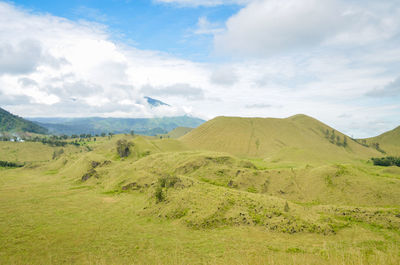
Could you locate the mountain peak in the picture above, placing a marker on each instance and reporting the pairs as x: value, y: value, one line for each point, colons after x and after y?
x: 155, y: 102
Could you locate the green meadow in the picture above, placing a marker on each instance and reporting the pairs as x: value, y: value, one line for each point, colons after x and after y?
x: 232, y: 191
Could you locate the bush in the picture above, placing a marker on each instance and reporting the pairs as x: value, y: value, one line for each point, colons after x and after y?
x: 168, y: 181
x: 386, y: 161
x: 123, y: 148
x: 159, y: 194
x: 9, y: 164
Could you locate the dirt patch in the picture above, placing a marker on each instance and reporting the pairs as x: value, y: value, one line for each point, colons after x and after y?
x: 91, y: 173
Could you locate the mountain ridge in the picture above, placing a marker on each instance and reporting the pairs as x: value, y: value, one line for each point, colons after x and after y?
x: 13, y: 123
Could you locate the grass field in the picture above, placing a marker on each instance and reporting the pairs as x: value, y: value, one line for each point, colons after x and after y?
x: 172, y: 203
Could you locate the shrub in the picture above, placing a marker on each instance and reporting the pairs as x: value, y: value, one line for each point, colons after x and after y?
x: 168, y: 181
x: 159, y: 194
x: 9, y: 164
x: 386, y: 161
x: 123, y: 148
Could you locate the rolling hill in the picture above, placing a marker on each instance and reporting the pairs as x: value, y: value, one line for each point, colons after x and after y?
x: 177, y: 132
x: 297, y: 138
x: 388, y: 141
x: 14, y: 124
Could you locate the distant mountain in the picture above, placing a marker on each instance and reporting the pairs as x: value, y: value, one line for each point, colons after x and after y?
x: 297, y: 138
x: 12, y: 123
x: 388, y: 141
x: 96, y: 125
x: 155, y: 102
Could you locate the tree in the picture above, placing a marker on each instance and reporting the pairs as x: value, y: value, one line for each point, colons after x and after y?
x: 123, y: 148
x: 132, y: 132
x: 345, y: 141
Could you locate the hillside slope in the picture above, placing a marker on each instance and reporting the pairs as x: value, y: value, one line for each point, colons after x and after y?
x: 388, y: 141
x: 297, y: 138
x: 177, y: 132
x: 12, y: 123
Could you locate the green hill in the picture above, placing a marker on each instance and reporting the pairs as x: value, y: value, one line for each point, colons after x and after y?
x: 13, y: 123
x: 297, y: 138
x: 388, y: 141
x: 177, y: 132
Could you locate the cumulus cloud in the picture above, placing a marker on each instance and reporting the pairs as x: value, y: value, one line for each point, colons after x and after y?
x: 64, y: 68
x: 24, y: 57
x: 268, y: 27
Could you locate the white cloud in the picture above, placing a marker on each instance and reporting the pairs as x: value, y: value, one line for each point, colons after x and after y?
x: 206, y: 27
x: 78, y: 70
x: 224, y: 75
x: 270, y: 27
x: 391, y: 89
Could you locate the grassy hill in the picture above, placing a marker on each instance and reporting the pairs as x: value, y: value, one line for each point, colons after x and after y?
x: 177, y: 132
x: 13, y: 123
x: 388, y: 141
x: 297, y: 138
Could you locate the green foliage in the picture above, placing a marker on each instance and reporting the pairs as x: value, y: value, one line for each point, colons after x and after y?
x: 123, y: 148
x: 9, y: 164
x: 168, y: 181
x: 386, y: 161
x: 378, y: 148
x: 159, y: 194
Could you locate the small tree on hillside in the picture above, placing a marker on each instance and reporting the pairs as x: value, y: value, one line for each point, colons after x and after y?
x: 123, y: 148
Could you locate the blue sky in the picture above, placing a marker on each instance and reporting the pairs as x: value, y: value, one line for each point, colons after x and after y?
x: 334, y: 60
x: 145, y: 24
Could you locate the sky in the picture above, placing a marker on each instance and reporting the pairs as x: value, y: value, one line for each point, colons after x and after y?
x: 335, y: 60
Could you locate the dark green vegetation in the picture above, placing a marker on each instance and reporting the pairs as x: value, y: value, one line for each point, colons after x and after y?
x: 248, y: 191
x: 386, y: 161
x: 9, y: 164
x: 95, y: 125
x: 13, y: 123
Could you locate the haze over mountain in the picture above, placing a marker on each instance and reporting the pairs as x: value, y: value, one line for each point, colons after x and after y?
x: 98, y: 125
